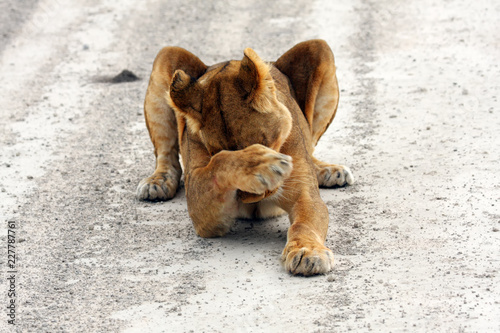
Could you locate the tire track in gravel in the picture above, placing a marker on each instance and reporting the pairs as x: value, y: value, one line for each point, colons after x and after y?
x: 421, y: 240
x: 31, y: 98
x: 64, y: 287
x: 12, y: 16
x: 351, y: 137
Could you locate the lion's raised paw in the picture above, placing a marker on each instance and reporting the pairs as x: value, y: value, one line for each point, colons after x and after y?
x: 264, y: 170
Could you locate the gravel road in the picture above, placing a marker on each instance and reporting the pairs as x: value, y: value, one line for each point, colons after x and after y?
x: 416, y: 239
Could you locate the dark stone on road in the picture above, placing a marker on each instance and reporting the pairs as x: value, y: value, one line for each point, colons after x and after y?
x: 124, y: 76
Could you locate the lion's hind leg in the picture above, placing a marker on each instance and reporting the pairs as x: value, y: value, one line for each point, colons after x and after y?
x: 331, y: 175
x: 310, y: 66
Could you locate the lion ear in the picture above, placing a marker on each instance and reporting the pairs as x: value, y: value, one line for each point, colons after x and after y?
x: 185, y: 98
x: 256, y: 80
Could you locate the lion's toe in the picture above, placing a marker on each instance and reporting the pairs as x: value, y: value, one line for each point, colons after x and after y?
x: 335, y: 175
x: 159, y: 187
x: 306, y: 261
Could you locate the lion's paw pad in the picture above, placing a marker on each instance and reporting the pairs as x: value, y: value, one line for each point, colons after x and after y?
x: 335, y: 175
x: 159, y: 187
x: 305, y: 261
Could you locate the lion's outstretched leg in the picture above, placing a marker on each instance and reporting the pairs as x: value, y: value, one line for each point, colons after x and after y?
x: 162, y: 125
x: 305, y: 252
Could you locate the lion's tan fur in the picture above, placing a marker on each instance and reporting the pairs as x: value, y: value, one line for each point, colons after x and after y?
x: 246, y: 131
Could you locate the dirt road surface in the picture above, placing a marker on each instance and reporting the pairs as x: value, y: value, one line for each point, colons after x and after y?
x: 416, y: 239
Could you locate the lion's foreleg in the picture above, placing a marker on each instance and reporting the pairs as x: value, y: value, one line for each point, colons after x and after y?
x: 162, y: 125
x: 305, y: 252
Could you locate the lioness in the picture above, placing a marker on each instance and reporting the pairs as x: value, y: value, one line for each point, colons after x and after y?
x: 239, y: 126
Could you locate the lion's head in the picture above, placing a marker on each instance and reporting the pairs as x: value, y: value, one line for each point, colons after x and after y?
x: 233, y: 105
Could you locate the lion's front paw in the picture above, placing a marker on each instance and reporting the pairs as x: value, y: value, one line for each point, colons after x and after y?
x: 158, y: 187
x: 335, y: 175
x: 307, y: 260
x: 264, y: 172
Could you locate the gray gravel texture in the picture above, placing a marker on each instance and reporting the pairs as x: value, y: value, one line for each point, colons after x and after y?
x: 416, y: 239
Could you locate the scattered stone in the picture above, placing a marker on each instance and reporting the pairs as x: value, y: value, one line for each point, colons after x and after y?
x: 125, y: 76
